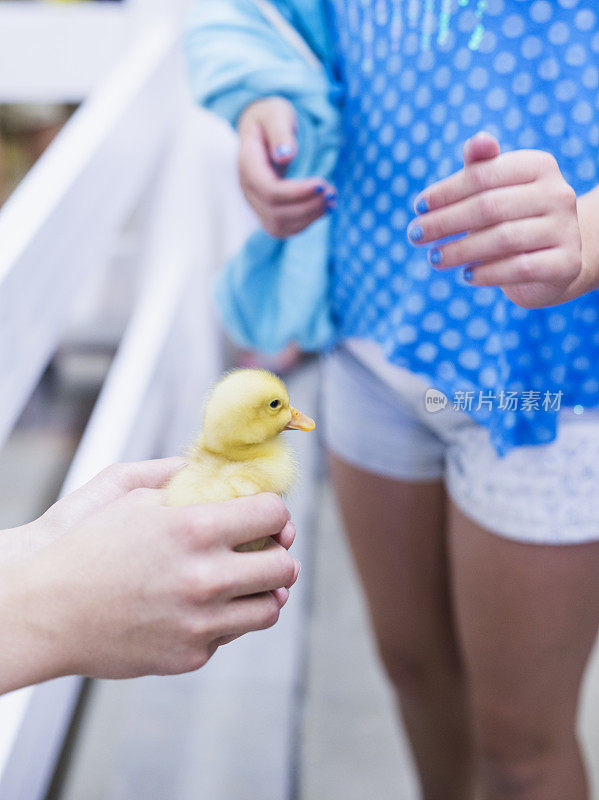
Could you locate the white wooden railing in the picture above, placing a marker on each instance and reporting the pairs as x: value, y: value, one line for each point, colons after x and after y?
x: 136, y: 141
x: 129, y: 142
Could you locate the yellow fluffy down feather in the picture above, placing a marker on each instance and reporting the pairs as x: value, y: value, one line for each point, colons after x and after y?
x: 239, y: 451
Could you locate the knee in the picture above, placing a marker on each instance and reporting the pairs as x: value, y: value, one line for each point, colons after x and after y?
x: 515, y: 754
x: 412, y: 671
x: 508, y: 774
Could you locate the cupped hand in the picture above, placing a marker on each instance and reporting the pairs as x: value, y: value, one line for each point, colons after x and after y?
x: 141, y: 588
x: 521, y: 221
x: 268, y: 144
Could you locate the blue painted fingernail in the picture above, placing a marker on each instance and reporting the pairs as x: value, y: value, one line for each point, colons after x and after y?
x: 415, y: 233
x: 318, y: 189
x: 330, y: 197
x: 283, y: 150
x: 421, y: 206
x: 435, y: 256
x: 468, y: 274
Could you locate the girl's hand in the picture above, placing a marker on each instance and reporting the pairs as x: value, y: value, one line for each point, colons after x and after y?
x: 521, y: 220
x: 267, y: 146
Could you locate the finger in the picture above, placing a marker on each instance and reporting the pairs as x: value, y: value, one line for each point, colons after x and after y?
x: 479, y: 212
x: 509, y: 169
x: 249, y: 614
x: 287, y: 535
x: 281, y: 595
x: 537, y: 267
x: 481, y: 147
x: 233, y: 522
x: 282, y: 227
x: 286, y: 220
x: 151, y: 474
x: 300, y: 222
x: 304, y: 209
x: 259, y: 176
x: 278, y: 123
x: 112, y: 484
x: 262, y: 570
x: 119, y: 479
x: 145, y: 497
x: 508, y: 238
x: 222, y: 640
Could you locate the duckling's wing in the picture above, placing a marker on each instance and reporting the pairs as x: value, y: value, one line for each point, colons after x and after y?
x: 193, y: 483
x: 208, y: 478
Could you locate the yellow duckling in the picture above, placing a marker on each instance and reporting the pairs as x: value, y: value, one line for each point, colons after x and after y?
x: 239, y: 451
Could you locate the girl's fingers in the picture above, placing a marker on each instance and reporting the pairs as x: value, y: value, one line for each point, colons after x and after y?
x: 480, y: 147
x: 278, y: 123
x: 299, y: 225
x: 286, y: 220
x: 536, y: 267
x: 508, y: 169
x: 292, y: 220
x: 500, y: 241
x: 307, y: 209
x: 259, y: 176
x: 285, y: 206
x: 288, y: 191
x: 479, y: 212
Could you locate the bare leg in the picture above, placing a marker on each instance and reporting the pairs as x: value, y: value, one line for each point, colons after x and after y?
x: 527, y: 617
x: 396, y: 531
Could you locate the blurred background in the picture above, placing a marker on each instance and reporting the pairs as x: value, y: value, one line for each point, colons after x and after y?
x: 119, y: 203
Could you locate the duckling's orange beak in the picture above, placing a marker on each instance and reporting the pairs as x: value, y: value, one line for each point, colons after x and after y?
x: 299, y: 421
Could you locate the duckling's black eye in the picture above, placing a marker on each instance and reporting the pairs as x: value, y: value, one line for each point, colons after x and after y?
x: 275, y: 404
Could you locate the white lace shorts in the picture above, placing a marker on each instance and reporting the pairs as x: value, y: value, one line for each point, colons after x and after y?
x: 545, y: 494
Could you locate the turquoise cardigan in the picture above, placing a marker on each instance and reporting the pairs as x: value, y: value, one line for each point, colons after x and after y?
x: 274, y: 291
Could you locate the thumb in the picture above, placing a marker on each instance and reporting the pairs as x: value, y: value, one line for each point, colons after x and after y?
x: 278, y: 122
x: 481, y: 147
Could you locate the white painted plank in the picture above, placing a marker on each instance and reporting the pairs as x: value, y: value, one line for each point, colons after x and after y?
x: 60, y: 223
x: 13, y: 707
x: 170, y: 351
x: 172, y: 315
x: 45, y: 720
x: 58, y: 53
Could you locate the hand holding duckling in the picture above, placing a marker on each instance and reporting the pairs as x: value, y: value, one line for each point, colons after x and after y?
x: 239, y: 451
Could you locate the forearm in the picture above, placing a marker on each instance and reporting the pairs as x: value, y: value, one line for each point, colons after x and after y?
x: 31, y: 646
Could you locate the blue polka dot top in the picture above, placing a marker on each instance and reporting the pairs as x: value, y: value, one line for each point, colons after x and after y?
x: 419, y: 78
